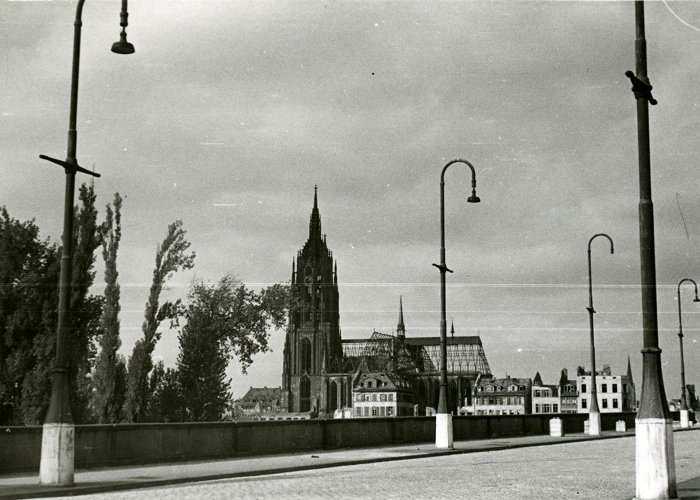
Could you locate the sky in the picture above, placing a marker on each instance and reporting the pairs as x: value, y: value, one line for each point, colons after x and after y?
x: 230, y: 112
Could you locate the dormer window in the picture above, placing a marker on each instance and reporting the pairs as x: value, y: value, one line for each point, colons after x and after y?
x: 369, y: 384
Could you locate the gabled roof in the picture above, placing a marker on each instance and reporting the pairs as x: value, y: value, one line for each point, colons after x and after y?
x: 262, y: 394
x: 382, y: 381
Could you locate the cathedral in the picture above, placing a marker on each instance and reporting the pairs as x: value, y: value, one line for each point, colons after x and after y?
x: 321, y: 372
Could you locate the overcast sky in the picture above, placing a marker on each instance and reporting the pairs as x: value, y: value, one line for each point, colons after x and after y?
x: 230, y: 112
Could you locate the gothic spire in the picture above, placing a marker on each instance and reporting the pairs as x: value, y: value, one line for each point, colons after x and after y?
x: 452, y: 330
x: 315, y: 223
x: 629, y: 370
x: 400, y: 328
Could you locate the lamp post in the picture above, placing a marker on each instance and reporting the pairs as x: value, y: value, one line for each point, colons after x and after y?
x: 655, y: 463
x: 685, y: 422
x: 57, y: 442
x: 443, y: 419
x: 594, y: 412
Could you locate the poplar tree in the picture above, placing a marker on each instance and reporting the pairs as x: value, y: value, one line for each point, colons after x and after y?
x: 107, y: 395
x: 171, y: 256
x: 41, y: 320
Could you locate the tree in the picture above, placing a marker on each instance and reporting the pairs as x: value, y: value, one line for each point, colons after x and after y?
x: 171, y: 256
x: 106, y: 393
x: 222, y: 320
x: 28, y: 274
x: 166, y: 403
x: 84, y: 320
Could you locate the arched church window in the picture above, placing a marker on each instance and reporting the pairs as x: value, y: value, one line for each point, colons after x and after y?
x: 305, y: 345
x: 304, y: 394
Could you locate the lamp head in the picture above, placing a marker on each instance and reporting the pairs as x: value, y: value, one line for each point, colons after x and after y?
x: 473, y: 198
x: 122, y: 46
x: 696, y: 299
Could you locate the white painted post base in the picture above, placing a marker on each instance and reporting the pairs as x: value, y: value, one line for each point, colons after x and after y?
x: 57, y: 465
x: 556, y: 428
x: 656, y: 467
x: 684, y: 419
x: 443, y: 431
x: 594, y: 424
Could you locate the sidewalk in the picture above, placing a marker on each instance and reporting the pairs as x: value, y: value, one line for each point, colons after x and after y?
x: 133, y: 477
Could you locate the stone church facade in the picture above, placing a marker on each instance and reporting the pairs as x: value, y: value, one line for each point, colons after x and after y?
x: 320, y: 370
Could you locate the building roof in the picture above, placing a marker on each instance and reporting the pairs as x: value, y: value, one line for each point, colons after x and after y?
x: 505, y: 382
x: 262, y: 394
x: 388, y: 381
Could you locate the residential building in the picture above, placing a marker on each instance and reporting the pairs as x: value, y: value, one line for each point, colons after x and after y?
x: 545, y: 398
x: 382, y: 395
x: 259, y: 403
x: 568, y: 393
x: 616, y: 393
x: 503, y: 396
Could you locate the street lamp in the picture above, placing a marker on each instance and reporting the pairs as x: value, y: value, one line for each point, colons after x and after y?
x: 655, y: 462
x: 684, y: 404
x: 443, y: 419
x: 594, y: 412
x: 57, y: 442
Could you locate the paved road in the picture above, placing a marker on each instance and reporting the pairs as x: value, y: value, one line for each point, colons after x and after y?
x: 585, y: 470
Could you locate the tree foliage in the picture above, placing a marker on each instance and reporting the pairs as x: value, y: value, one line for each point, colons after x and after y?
x: 166, y: 403
x: 223, y: 320
x: 171, y: 256
x: 29, y: 274
x: 107, y: 396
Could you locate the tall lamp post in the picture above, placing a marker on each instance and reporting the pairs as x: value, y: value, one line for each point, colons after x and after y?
x: 443, y: 419
x: 685, y: 422
x: 57, y: 443
x: 655, y: 462
x: 594, y: 412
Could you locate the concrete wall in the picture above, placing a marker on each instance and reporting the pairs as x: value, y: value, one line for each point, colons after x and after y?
x: 109, y: 445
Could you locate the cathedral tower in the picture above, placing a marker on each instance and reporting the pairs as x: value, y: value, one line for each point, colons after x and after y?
x: 313, y: 339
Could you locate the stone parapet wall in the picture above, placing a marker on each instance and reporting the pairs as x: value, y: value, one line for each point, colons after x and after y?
x: 127, y: 444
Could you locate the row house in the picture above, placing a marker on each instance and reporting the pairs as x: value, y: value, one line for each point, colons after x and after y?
x: 382, y: 395
x: 502, y: 396
x: 545, y: 398
x: 615, y: 393
x: 568, y: 393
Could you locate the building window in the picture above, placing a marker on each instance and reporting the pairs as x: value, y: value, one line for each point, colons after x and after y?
x: 375, y: 411
x: 546, y: 408
x: 366, y: 397
x: 382, y: 397
x: 605, y: 403
x: 537, y: 394
x: 369, y: 384
x: 583, y: 387
x: 614, y: 403
x: 389, y: 411
x: 605, y: 388
x: 584, y: 403
x: 382, y: 411
x: 391, y: 397
x: 614, y: 389
x: 374, y: 397
x: 537, y: 408
x: 366, y: 411
x: 555, y: 408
